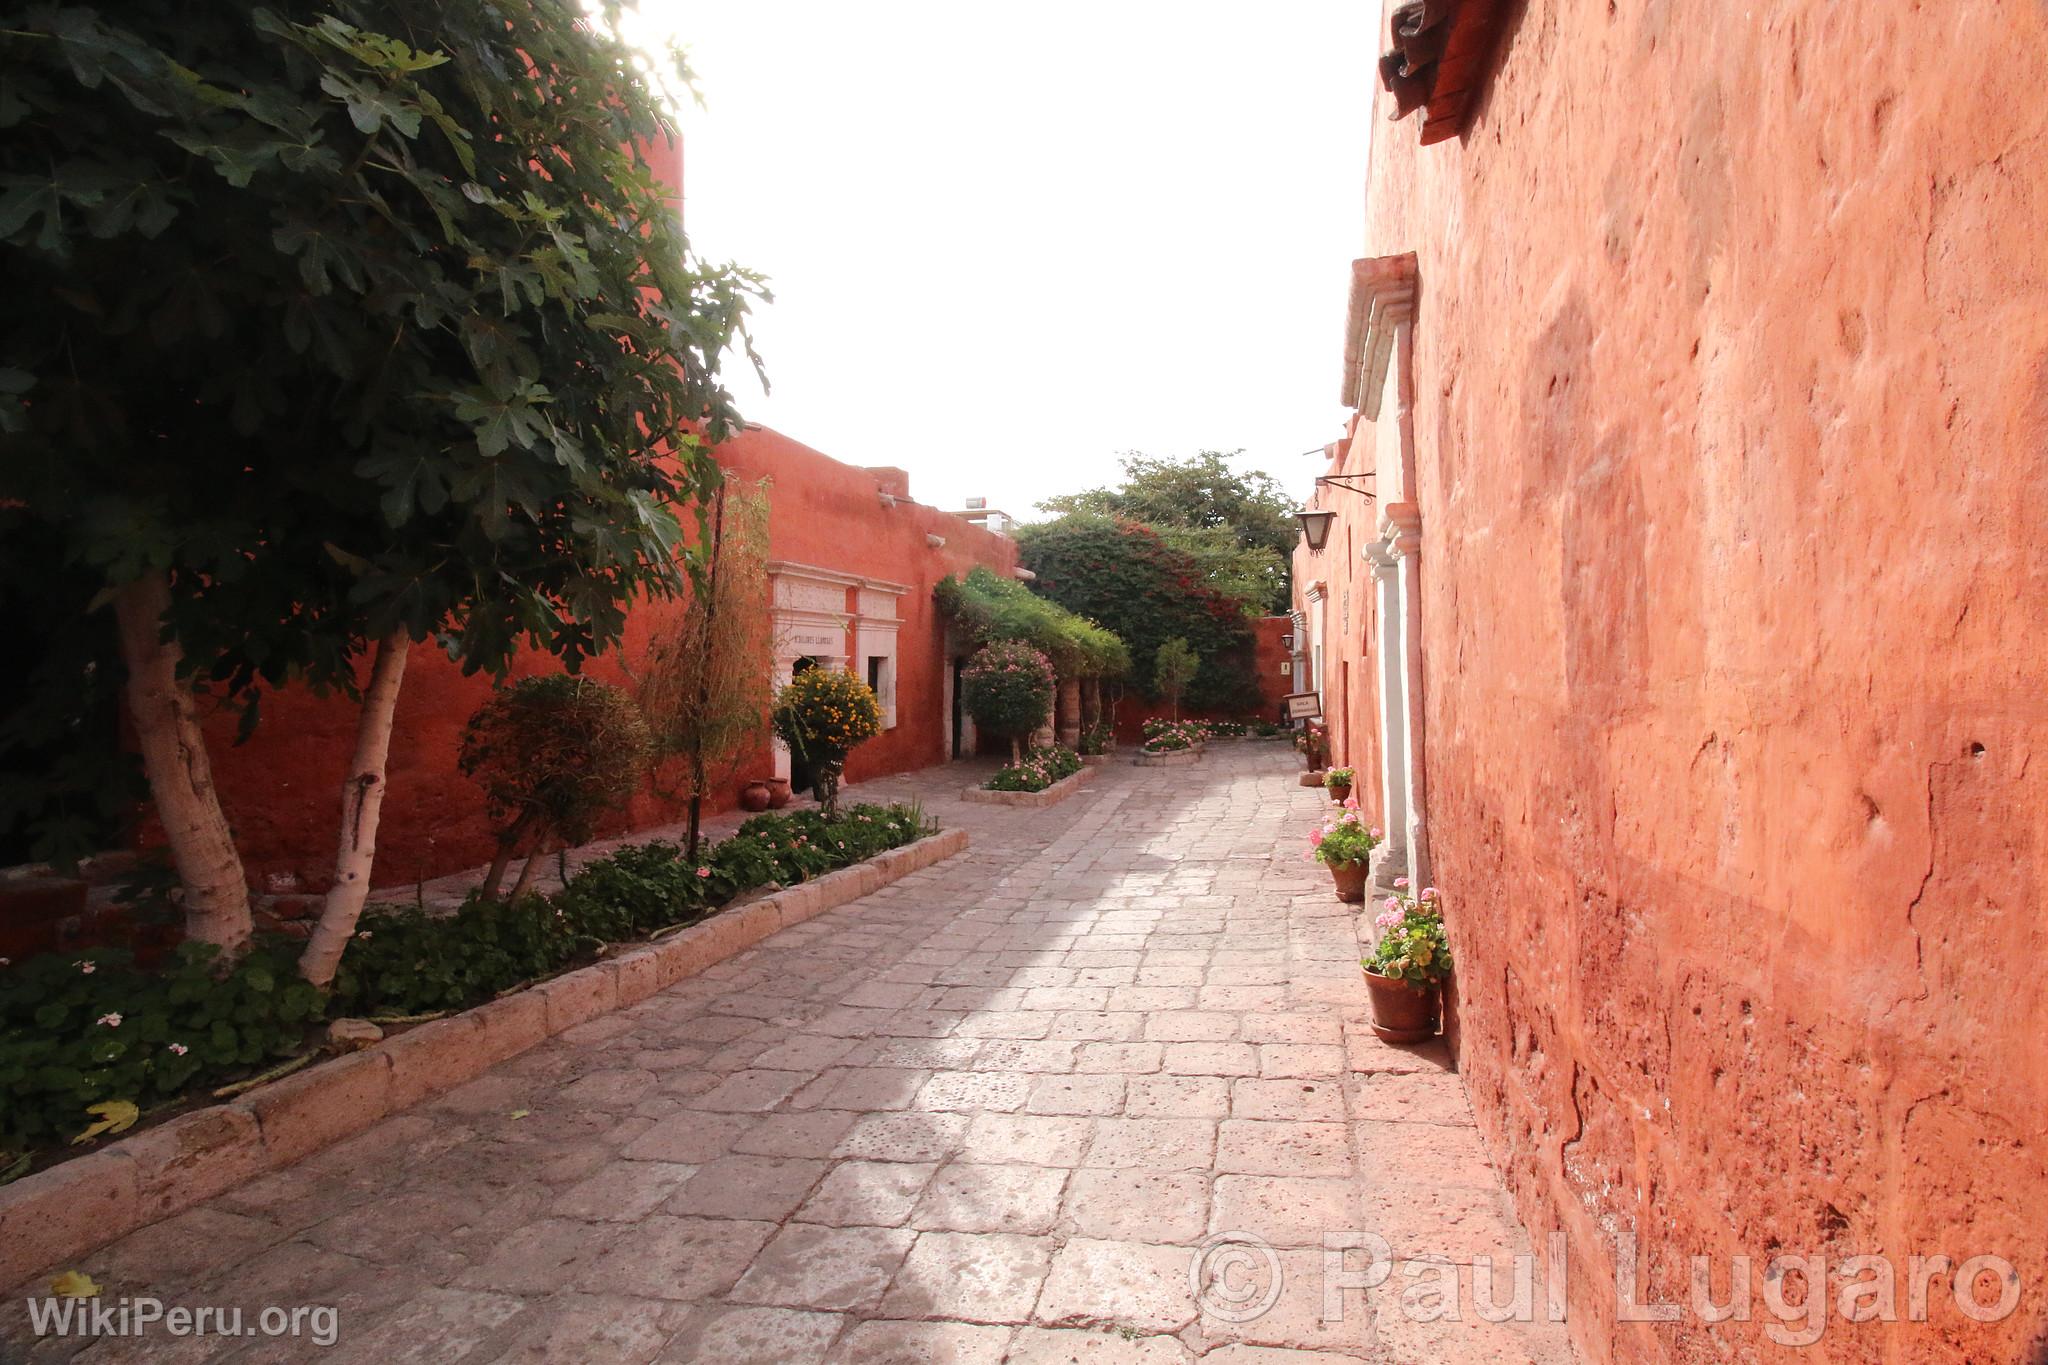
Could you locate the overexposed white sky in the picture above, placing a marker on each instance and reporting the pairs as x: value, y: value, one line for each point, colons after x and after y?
x: 1009, y: 243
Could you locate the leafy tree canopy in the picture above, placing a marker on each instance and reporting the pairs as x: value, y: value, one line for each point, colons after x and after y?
x: 1240, y: 526
x: 1143, y: 590
x: 351, y: 317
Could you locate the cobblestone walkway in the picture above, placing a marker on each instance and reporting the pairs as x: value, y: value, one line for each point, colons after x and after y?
x: 986, y: 1114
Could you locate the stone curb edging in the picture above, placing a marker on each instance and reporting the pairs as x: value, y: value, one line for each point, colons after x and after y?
x: 69, y: 1210
x: 1168, y: 758
x: 1058, y: 791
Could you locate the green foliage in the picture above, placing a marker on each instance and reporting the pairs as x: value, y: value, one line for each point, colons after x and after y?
x: 72, y: 1037
x: 1097, y: 738
x: 1008, y: 687
x: 1337, y: 777
x: 1173, y: 668
x: 989, y: 609
x: 351, y: 333
x: 83, y: 1028
x: 1169, y: 736
x: 1345, y: 841
x: 555, y: 753
x: 1145, y: 592
x: 1414, y: 946
x: 821, y: 714
x: 1239, y: 528
x: 1039, y: 770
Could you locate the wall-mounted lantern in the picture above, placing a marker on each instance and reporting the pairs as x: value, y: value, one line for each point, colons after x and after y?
x: 1315, y: 527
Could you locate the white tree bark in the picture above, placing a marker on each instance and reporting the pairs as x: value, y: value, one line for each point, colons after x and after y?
x: 180, y: 777
x: 362, y: 801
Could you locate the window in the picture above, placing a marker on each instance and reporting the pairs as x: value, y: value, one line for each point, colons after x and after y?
x: 882, y: 682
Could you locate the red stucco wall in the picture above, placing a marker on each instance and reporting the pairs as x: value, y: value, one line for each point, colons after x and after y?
x: 282, y: 789
x: 1266, y: 657
x: 1732, y: 438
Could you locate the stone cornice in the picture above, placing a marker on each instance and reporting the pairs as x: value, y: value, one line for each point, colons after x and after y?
x: 1382, y: 298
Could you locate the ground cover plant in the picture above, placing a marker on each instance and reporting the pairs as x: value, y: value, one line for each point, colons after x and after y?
x: 1039, y: 769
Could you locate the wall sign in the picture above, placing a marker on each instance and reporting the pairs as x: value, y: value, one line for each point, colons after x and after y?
x: 1304, y: 705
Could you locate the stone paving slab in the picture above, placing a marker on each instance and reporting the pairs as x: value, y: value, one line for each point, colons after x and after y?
x: 993, y: 1112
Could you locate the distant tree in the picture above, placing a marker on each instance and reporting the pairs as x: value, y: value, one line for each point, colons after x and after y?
x: 1128, y: 578
x: 1205, y: 496
x: 554, y: 754
x: 705, y: 687
x: 333, y: 326
x: 1173, y: 668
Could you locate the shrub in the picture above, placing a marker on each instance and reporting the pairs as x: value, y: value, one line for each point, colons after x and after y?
x: 553, y: 755
x: 1337, y: 777
x: 1169, y: 736
x: 1007, y: 687
x: 85, y: 1028
x: 1097, y: 738
x: 1039, y: 770
x: 1414, y: 947
x: 821, y: 715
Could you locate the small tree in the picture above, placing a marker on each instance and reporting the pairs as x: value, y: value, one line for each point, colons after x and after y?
x: 705, y: 690
x: 1008, y: 687
x: 554, y: 754
x: 821, y: 715
x: 1173, y: 669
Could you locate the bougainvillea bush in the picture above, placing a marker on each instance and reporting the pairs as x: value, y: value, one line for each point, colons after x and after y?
x: 1146, y: 592
x: 1039, y: 770
x: 1007, y: 687
x: 91, y: 1038
x: 821, y: 715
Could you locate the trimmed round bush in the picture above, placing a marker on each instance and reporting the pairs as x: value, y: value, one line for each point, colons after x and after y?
x: 1008, y: 687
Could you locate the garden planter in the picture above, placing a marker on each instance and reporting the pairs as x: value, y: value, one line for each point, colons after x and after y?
x: 778, y: 792
x: 1340, y: 793
x: 1402, y: 1011
x: 755, y: 796
x: 1350, y: 879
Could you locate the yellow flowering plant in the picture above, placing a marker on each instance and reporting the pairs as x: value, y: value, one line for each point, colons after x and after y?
x: 821, y: 714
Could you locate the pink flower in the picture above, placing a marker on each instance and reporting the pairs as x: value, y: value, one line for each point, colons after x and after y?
x: 88, y: 966
x: 179, y: 1049
x: 1350, y: 803
x: 111, y: 1020
x: 1400, y: 883
x: 703, y: 871
x: 1375, y: 831
x: 1315, y: 838
x: 1387, y: 919
x: 1429, y: 893
x: 1393, y: 904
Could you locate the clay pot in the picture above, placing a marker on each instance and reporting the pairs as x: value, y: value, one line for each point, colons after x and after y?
x: 1350, y: 879
x: 1340, y: 793
x: 778, y: 792
x: 1402, y: 1011
x: 755, y: 796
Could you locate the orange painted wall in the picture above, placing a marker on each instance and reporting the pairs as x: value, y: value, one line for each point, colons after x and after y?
x: 1135, y: 708
x: 282, y: 789
x: 1732, y: 435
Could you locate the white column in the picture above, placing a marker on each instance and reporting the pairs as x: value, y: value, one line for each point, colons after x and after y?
x: 1391, y: 860
x: 1403, y: 540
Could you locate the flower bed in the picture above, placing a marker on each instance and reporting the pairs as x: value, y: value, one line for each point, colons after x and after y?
x: 1172, y: 736
x: 1039, y: 770
x: 89, y: 1042
x: 1030, y: 797
x: 67, y: 1210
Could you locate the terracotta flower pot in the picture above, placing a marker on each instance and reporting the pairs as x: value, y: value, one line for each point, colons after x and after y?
x: 1402, y: 1011
x: 755, y: 796
x: 1340, y: 792
x: 778, y: 792
x: 1350, y: 879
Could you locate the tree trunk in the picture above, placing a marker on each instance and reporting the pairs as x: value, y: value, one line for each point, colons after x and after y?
x: 362, y: 801
x: 1016, y: 751
x: 508, y: 848
x: 526, y: 873
x: 708, y: 664
x: 180, y: 777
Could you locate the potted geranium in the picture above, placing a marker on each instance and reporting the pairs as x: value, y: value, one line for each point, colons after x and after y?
x: 1338, y: 783
x: 1345, y: 846
x: 1405, y: 973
